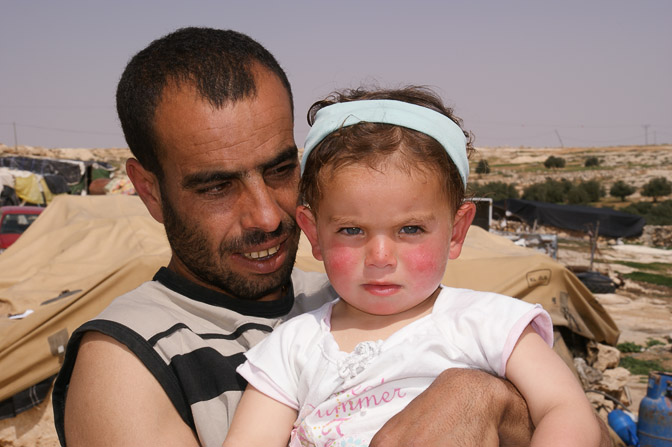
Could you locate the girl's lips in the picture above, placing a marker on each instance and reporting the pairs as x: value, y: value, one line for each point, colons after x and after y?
x: 382, y: 289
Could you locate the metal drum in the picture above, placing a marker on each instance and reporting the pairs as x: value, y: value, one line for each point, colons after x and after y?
x: 654, y: 426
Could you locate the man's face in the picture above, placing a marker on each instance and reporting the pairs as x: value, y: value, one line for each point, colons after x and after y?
x: 229, y: 188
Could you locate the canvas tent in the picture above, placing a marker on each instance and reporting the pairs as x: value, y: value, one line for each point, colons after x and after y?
x: 84, y: 251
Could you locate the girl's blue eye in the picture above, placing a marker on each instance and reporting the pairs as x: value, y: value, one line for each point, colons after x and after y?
x: 351, y: 231
x: 410, y: 229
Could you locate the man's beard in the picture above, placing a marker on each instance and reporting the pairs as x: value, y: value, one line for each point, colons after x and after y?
x: 191, y: 245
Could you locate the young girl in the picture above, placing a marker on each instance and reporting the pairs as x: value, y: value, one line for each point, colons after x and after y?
x: 384, y: 175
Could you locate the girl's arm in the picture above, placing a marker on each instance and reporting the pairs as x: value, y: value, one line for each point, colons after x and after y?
x: 260, y: 421
x: 558, y: 405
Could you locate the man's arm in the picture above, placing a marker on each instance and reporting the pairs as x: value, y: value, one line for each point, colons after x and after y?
x: 464, y: 407
x: 114, y: 400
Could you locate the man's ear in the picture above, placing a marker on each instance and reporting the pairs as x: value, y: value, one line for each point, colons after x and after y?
x: 306, y: 220
x: 463, y: 218
x: 147, y: 186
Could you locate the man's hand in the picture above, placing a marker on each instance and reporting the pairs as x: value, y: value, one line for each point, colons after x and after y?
x: 462, y: 408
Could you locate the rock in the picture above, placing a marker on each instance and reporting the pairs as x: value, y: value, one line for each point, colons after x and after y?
x: 660, y: 349
x: 588, y: 375
x: 614, y: 382
x: 603, y: 357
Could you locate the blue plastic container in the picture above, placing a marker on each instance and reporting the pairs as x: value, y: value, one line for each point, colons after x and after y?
x: 624, y: 426
x: 654, y: 426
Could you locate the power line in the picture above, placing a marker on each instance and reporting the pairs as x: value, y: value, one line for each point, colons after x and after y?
x: 58, y: 129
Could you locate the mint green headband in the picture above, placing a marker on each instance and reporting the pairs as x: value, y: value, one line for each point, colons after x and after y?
x: 398, y: 113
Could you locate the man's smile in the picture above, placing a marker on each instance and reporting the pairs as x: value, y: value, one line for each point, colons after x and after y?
x: 263, y: 253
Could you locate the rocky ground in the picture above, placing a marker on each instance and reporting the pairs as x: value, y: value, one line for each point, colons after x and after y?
x: 642, y: 311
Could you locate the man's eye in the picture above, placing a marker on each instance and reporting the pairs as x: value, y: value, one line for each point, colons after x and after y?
x: 217, y: 189
x: 282, y: 170
x: 411, y: 229
x: 350, y: 231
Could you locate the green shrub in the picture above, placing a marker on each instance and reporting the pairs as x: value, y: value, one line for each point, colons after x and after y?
x: 554, y: 162
x: 592, y: 161
x: 655, y: 266
x: 651, y: 278
x: 629, y: 346
x: 593, y: 189
x: 640, y: 367
x: 657, y: 187
x: 653, y: 342
x: 578, y: 196
x: 655, y: 213
x: 622, y: 190
x: 483, y: 167
x: 494, y: 190
x: 535, y: 191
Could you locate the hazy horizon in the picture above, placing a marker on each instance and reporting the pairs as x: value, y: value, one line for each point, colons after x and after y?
x: 519, y: 73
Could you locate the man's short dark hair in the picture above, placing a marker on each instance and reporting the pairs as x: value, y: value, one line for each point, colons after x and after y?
x: 218, y: 63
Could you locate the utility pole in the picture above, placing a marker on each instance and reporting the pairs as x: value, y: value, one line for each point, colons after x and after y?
x: 15, y: 141
x: 646, y: 134
x: 556, y: 132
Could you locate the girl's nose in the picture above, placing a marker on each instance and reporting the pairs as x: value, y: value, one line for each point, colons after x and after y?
x: 380, y: 252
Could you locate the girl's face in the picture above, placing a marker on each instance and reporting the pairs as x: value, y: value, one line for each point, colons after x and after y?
x: 385, y: 236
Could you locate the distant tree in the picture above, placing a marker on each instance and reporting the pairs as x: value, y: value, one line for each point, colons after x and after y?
x: 556, y: 191
x: 622, y: 190
x: 592, y: 161
x: 554, y: 162
x: 578, y: 196
x: 495, y: 190
x: 536, y: 192
x: 483, y: 167
x: 657, y: 187
x: 655, y: 213
x: 594, y: 190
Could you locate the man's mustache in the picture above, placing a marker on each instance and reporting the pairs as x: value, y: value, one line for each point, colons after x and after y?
x: 259, y: 237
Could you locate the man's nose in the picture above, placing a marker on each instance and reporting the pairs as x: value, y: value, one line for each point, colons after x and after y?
x: 380, y: 252
x: 260, y: 209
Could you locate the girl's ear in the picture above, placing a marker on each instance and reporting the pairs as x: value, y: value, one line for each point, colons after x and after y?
x: 463, y: 218
x: 306, y: 220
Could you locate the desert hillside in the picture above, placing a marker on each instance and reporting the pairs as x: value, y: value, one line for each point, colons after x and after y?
x: 635, y: 165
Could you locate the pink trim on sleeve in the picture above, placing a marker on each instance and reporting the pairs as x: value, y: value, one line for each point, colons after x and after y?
x: 261, y: 381
x: 540, y: 321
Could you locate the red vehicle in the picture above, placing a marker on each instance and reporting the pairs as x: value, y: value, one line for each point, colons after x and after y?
x: 14, y: 220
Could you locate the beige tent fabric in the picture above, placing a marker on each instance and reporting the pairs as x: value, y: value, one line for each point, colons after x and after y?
x: 93, y: 247
x: 493, y: 263
x: 88, y: 250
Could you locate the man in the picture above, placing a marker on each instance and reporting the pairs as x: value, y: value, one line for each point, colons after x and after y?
x: 208, y: 116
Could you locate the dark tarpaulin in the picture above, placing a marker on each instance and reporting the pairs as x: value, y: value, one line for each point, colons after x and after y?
x: 8, y: 196
x: 575, y: 217
x: 72, y: 171
x: 56, y: 184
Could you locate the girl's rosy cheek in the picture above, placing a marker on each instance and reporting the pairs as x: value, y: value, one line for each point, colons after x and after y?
x: 425, y: 261
x: 340, y: 260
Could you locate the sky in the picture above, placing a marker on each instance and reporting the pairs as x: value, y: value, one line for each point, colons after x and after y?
x: 519, y: 73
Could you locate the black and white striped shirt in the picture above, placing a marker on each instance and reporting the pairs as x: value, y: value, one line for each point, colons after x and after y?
x: 192, y: 339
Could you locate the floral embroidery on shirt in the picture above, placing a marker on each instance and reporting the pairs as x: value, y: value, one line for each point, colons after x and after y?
x: 355, y: 362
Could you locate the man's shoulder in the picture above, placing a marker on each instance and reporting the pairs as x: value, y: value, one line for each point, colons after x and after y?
x: 311, y: 290
x: 149, y: 309
x: 149, y: 293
